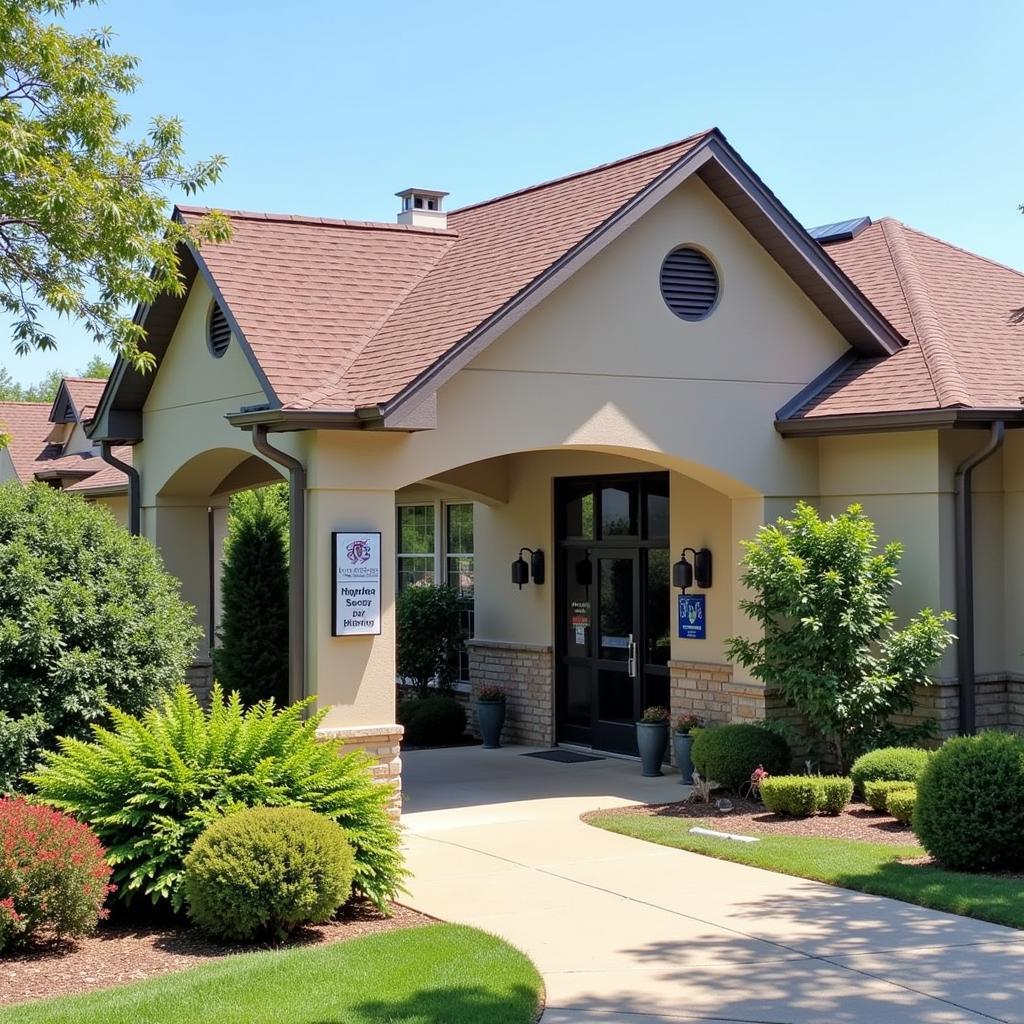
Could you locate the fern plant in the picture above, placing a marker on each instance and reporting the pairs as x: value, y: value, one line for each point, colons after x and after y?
x: 150, y: 785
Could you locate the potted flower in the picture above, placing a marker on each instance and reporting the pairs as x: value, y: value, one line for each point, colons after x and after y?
x: 490, y: 714
x: 682, y: 741
x: 652, y: 739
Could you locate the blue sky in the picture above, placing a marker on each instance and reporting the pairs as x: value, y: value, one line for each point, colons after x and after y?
x: 328, y: 107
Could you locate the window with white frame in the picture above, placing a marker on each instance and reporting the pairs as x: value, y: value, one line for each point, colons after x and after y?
x: 435, y: 543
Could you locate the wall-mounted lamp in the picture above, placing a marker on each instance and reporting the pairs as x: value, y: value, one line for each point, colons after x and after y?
x: 684, y: 574
x: 521, y: 572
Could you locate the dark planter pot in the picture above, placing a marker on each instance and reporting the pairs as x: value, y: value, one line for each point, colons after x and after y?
x: 490, y: 716
x: 652, y: 741
x: 683, y: 743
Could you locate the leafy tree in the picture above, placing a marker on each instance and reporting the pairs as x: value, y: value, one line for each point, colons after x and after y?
x: 46, y: 390
x: 829, y: 642
x: 252, y: 656
x: 84, y: 230
x: 429, y: 623
x: 89, y: 619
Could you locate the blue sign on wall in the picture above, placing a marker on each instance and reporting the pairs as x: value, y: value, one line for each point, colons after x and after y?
x: 692, y: 622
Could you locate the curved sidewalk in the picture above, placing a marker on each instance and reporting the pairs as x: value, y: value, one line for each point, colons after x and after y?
x: 625, y: 931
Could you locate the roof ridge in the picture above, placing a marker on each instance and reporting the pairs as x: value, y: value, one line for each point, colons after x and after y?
x: 958, y: 248
x: 580, y: 174
x: 931, y: 332
x: 41, y: 405
x: 301, y: 218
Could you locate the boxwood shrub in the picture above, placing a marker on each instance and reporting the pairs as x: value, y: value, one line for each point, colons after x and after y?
x: 900, y: 804
x: 266, y: 870
x: 899, y: 764
x: 970, y: 803
x: 803, y: 795
x: 728, y: 754
x: 877, y: 793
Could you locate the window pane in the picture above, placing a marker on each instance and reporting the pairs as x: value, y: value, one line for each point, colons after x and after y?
x: 657, y: 625
x: 579, y: 510
x: 460, y: 574
x: 413, y: 569
x: 656, y: 495
x: 460, y: 529
x: 619, y: 510
x: 416, y: 530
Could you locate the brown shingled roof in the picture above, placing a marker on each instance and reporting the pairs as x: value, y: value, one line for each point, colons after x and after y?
x: 27, y: 424
x: 953, y: 307
x: 85, y: 393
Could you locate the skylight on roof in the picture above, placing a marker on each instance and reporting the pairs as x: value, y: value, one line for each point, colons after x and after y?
x: 840, y: 231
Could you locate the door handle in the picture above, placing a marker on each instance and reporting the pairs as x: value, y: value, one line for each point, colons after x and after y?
x: 631, y: 661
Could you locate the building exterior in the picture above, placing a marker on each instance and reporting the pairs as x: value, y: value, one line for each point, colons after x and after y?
x: 608, y: 369
x: 48, y: 443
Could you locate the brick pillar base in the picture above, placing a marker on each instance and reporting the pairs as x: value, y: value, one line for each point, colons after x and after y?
x: 382, y: 743
x: 525, y: 673
x: 199, y: 679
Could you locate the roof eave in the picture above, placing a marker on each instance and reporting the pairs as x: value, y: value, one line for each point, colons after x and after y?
x: 911, y: 419
x: 297, y: 419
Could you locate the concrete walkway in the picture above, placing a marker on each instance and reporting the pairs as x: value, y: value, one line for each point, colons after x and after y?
x: 625, y: 931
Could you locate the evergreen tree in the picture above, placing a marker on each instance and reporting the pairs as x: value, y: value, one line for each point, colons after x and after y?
x: 252, y: 655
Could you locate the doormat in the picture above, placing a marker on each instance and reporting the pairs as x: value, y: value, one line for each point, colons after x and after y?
x: 563, y: 756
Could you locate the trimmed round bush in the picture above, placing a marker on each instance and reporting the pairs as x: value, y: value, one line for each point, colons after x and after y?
x: 901, y: 804
x: 728, y: 754
x: 877, y: 793
x: 265, y: 871
x: 803, y: 795
x: 970, y: 803
x: 836, y: 792
x: 89, y: 618
x: 790, y: 794
x: 896, y: 764
x: 53, y: 874
x: 432, y: 721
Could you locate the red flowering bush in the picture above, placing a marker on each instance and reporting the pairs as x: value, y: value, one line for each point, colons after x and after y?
x: 53, y: 874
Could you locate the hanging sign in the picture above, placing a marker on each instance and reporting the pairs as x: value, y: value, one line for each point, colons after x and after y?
x: 356, y: 573
x: 692, y: 622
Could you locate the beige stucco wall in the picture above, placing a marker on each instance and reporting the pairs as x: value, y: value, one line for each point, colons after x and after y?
x: 6, y: 466
x: 116, y: 505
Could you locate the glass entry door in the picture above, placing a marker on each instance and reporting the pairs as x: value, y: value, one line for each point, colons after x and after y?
x: 614, y: 594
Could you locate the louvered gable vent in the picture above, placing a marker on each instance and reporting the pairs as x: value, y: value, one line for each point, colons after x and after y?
x: 689, y: 283
x: 218, y: 334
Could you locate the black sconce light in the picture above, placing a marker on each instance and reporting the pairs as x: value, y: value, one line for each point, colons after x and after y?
x: 521, y: 572
x: 684, y: 574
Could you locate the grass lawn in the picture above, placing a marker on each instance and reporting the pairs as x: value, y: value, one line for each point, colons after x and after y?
x: 439, y: 974
x: 866, y: 867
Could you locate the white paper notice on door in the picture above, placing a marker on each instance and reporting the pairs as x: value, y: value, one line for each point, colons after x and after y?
x: 356, y: 598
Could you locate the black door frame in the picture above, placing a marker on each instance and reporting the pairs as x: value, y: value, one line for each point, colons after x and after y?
x: 610, y: 736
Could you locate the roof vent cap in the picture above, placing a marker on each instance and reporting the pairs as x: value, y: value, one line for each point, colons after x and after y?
x: 422, y: 208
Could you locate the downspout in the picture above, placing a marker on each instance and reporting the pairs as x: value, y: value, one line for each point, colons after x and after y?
x: 134, y: 488
x: 964, y: 517
x: 296, y: 560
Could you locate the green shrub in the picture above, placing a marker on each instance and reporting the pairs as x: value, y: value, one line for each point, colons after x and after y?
x: 797, y: 795
x: 267, y: 870
x: 53, y: 874
x: 896, y: 764
x: 900, y: 803
x: 970, y: 803
x: 802, y: 795
x: 252, y: 654
x: 88, y: 618
x: 877, y: 793
x: 429, y: 635
x: 151, y: 785
x: 836, y: 793
x: 728, y: 754
x: 432, y: 721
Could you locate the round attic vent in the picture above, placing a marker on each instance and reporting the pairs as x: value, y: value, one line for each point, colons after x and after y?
x: 218, y: 331
x: 689, y: 283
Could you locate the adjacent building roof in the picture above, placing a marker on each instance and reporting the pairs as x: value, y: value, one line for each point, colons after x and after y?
x: 955, y: 308
x: 34, y: 457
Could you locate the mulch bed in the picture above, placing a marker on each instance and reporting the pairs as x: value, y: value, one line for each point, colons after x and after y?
x: 122, y: 953
x: 858, y: 821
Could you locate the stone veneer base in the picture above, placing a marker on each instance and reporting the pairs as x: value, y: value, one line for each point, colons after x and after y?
x: 383, y: 744
x: 526, y: 673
